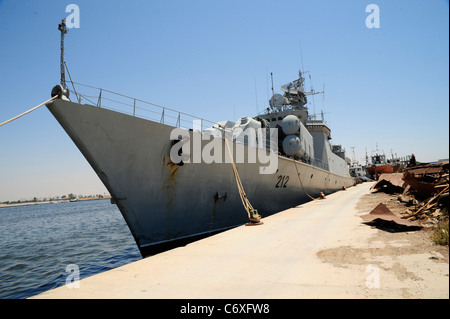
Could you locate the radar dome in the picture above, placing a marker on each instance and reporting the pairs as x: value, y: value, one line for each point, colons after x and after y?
x: 291, y: 145
x: 290, y: 124
x: 277, y: 101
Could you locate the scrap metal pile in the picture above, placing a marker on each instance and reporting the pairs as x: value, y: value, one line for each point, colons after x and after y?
x: 423, y: 188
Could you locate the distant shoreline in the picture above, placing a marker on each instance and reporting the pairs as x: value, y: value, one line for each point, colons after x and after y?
x: 51, y: 202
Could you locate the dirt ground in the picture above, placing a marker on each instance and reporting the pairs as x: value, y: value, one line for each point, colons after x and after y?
x: 410, y: 255
x: 420, y: 240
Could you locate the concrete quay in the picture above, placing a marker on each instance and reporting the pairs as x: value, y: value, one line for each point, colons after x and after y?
x: 286, y: 257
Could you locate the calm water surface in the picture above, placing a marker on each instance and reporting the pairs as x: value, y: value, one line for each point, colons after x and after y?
x: 38, y: 242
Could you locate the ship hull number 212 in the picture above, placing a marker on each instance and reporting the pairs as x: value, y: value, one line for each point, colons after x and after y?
x: 282, y: 181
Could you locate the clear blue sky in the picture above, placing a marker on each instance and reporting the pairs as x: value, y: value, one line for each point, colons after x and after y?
x: 212, y: 59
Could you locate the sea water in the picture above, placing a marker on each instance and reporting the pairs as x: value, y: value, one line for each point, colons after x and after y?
x: 42, y: 245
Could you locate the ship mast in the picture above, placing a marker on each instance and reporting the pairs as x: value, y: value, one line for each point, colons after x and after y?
x: 63, y: 29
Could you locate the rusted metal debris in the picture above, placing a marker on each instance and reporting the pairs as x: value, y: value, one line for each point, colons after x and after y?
x: 390, y: 183
x: 430, y: 169
x: 425, y: 188
x: 430, y: 184
x: 424, y: 178
x: 381, y: 214
x: 430, y: 203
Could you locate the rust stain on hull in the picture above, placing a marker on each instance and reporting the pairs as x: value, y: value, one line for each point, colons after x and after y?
x: 173, y: 170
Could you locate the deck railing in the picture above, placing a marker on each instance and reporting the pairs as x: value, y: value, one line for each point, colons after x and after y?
x: 135, y: 107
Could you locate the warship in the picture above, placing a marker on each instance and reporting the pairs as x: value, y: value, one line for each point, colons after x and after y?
x: 176, y: 178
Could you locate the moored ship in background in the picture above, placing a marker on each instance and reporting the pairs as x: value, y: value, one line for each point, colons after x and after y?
x: 379, y: 164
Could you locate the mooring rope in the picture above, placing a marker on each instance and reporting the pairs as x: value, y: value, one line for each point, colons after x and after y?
x: 301, y: 183
x: 252, y: 213
x: 30, y: 110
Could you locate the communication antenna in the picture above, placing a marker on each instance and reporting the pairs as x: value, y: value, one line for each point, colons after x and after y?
x: 301, y: 56
x: 267, y: 87
x: 323, y: 96
x: 313, y: 93
x: 271, y: 77
x: 256, y: 98
x: 354, y: 157
x: 322, y: 114
x: 63, y: 29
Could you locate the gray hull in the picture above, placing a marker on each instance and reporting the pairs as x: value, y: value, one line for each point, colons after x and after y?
x: 163, y: 202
